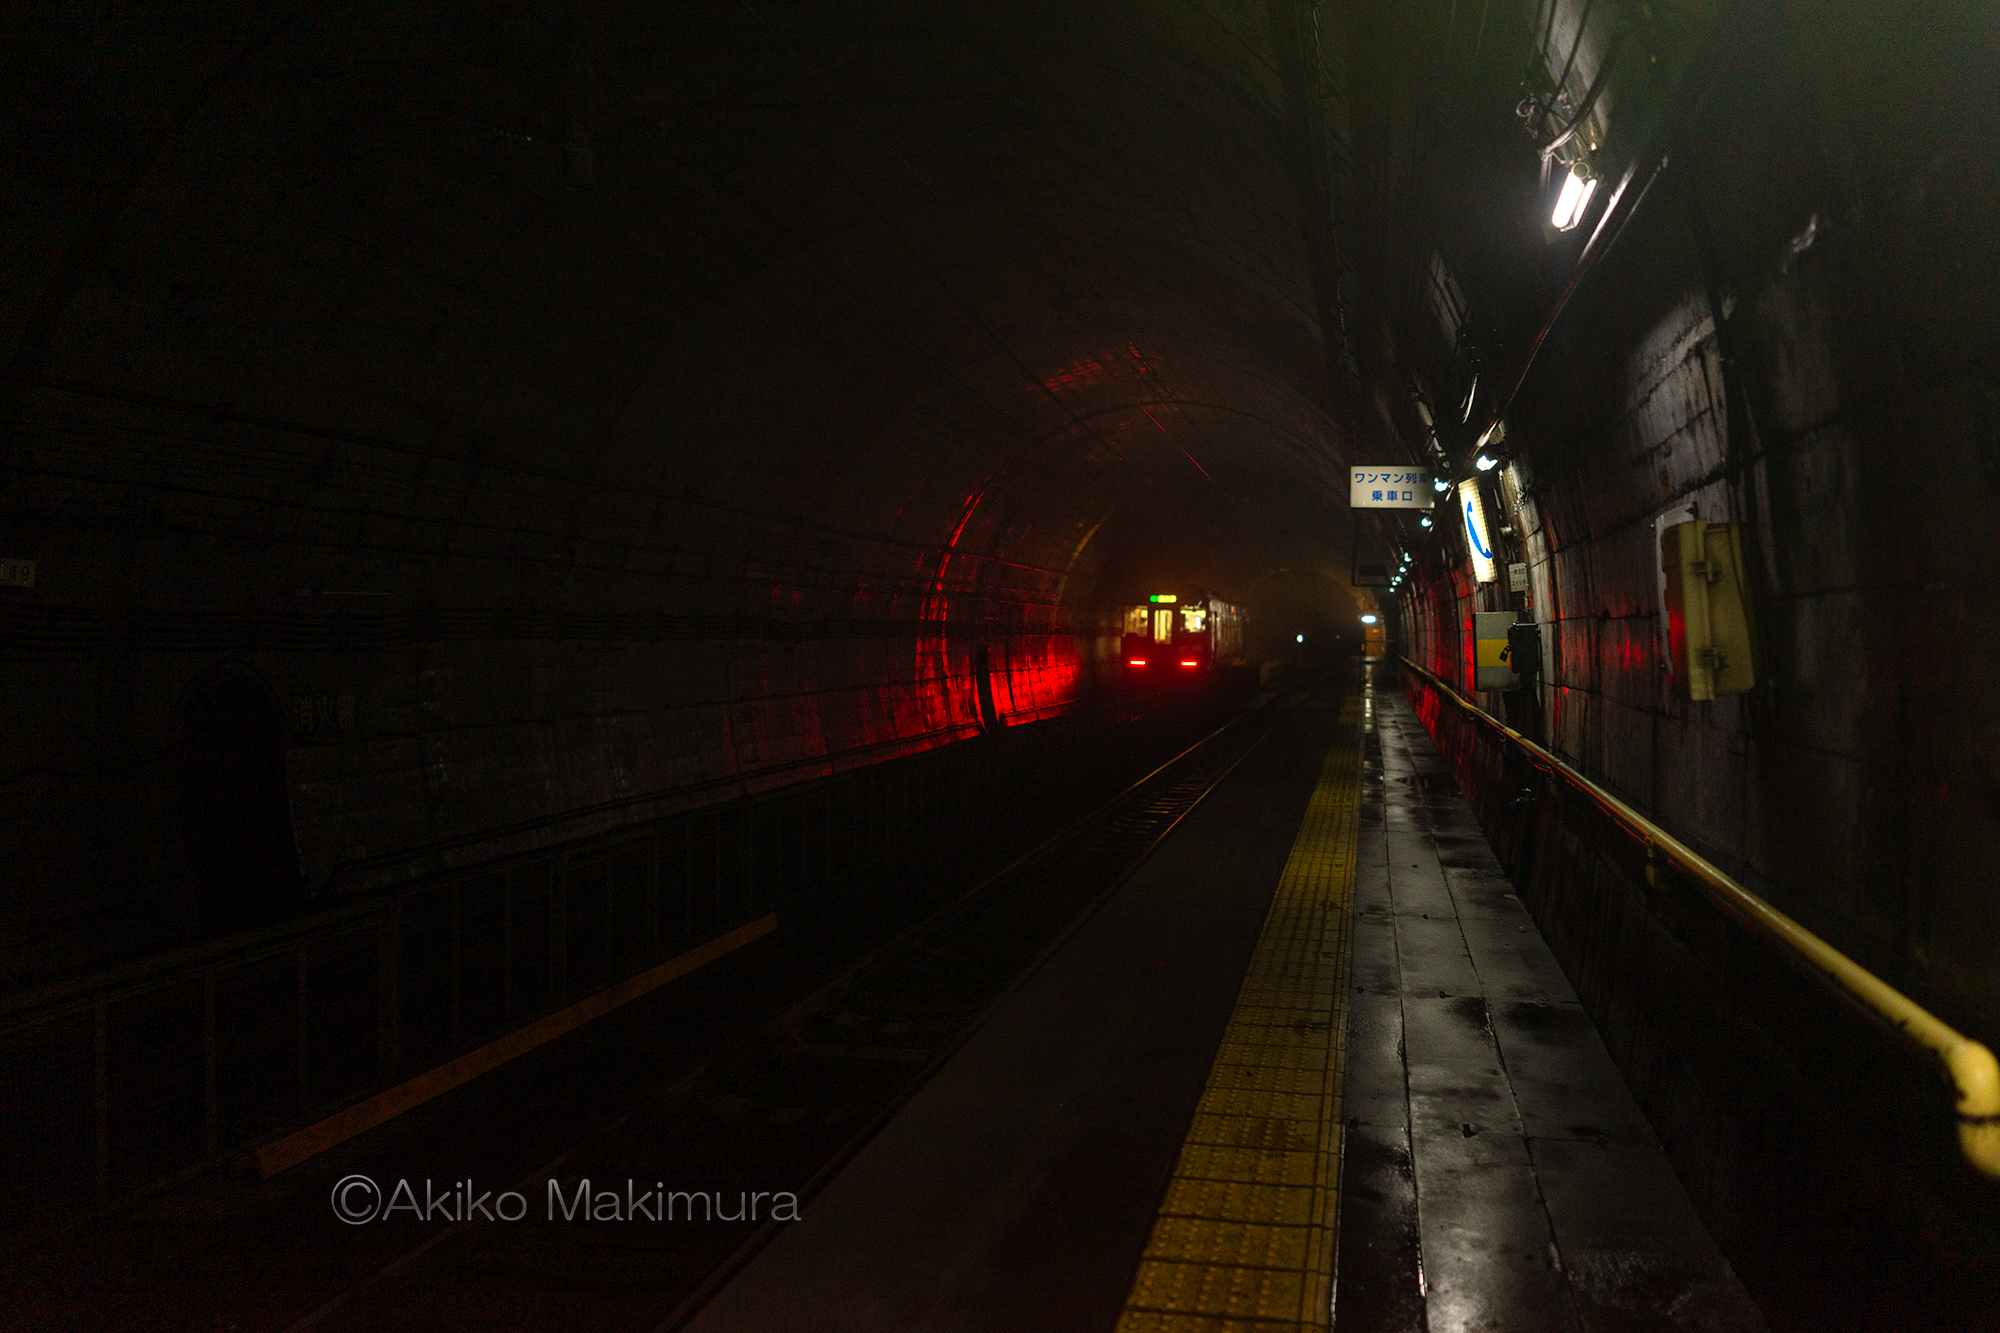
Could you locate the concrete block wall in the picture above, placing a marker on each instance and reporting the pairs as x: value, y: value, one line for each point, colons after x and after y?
x: 1795, y: 333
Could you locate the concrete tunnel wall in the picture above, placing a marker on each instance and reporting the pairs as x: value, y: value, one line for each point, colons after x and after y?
x: 1795, y: 333
x: 571, y: 415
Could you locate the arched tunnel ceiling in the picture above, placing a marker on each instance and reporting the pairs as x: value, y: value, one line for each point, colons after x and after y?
x: 466, y: 436
x: 612, y: 402
x: 601, y: 409
x: 985, y: 280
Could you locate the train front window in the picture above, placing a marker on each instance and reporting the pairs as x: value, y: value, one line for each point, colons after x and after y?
x: 1163, y: 626
x: 1194, y: 618
x: 1135, y: 620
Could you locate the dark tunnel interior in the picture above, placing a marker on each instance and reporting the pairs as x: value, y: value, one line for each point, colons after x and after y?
x: 448, y: 447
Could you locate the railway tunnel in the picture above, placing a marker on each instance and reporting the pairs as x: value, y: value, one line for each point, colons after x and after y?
x: 565, y: 583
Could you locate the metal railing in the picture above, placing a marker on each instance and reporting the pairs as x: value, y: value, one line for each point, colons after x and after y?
x: 1970, y: 1066
x: 132, y: 1077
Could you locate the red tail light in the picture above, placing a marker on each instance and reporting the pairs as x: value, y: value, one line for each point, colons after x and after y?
x: 1137, y: 661
x: 1189, y: 661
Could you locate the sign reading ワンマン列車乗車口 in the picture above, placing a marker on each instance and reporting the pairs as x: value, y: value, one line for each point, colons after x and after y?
x: 1389, y: 488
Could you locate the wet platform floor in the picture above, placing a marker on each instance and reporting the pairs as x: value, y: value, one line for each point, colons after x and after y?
x: 1494, y: 1172
x: 1498, y: 1175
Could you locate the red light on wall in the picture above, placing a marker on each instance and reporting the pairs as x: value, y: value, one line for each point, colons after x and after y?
x: 1137, y: 661
x: 1189, y: 661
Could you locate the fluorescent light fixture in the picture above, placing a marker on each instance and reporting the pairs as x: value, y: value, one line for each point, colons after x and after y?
x: 1480, y: 542
x: 1486, y: 462
x: 1575, y: 197
x: 1368, y: 620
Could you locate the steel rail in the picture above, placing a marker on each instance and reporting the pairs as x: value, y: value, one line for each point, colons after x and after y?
x: 1161, y: 822
x: 786, y: 1022
x: 1970, y: 1065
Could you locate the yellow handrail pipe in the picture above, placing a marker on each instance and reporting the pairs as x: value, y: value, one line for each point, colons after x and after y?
x: 1971, y: 1066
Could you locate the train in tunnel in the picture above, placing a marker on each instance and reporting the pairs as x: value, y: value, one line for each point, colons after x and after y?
x: 1170, y: 636
x: 499, y: 508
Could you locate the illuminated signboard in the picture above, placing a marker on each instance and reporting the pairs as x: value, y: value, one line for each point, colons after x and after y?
x: 1477, y: 536
x: 1389, y: 488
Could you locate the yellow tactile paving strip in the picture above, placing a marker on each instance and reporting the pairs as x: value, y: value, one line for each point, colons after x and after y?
x: 1244, y: 1239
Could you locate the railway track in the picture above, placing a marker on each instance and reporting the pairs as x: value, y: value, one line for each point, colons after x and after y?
x: 784, y: 1111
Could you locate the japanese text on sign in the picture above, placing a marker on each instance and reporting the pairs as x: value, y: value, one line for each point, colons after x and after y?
x: 317, y: 714
x: 1389, y: 488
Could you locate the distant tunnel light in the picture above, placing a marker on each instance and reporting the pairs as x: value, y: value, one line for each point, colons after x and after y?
x: 1575, y: 197
x: 1302, y: 638
x: 1368, y: 620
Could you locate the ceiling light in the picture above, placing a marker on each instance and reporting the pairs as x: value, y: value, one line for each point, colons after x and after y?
x: 1575, y: 197
x: 1486, y: 462
x: 1479, y: 540
x: 1440, y: 485
x: 1368, y: 620
x: 1425, y: 521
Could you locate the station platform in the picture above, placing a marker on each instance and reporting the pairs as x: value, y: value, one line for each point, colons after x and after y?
x: 1310, y: 1066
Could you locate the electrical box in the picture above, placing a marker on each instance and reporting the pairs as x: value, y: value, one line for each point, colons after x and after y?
x: 1710, y: 640
x: 1492, y: 663
x: 1524, y: 648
